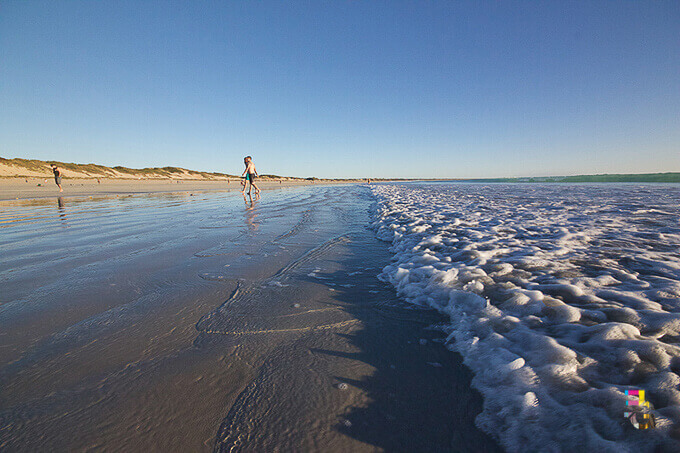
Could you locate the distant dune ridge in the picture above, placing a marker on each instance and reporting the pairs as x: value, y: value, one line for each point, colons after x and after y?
x: 38, y: 168
x: 20, y: 168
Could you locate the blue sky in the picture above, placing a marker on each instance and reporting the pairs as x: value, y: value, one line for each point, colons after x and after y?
x: 345, y: 88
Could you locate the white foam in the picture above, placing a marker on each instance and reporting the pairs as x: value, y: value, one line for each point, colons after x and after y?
x: 561, y: 297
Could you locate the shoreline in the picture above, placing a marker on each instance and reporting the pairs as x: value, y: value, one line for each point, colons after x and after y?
x: 35, y: 188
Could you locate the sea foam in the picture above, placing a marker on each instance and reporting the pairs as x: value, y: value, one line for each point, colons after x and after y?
x: 561, y: 297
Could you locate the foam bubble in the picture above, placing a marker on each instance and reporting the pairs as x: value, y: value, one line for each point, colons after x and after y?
x: 560, y: 298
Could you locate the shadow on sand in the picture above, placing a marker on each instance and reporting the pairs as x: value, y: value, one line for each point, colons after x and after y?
x: 420, y: 394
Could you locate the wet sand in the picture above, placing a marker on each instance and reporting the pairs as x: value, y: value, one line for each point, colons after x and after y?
x: 27, y: 188
x: 168, y: 322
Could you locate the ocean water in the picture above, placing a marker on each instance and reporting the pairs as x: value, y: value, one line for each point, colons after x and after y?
x: 560, y: 297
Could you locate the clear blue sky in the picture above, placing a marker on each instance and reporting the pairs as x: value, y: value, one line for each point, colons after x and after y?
x: 345, y: 88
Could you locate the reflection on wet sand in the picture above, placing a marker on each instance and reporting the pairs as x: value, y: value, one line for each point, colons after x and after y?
x: 251, y: 213
x: 62, y: 209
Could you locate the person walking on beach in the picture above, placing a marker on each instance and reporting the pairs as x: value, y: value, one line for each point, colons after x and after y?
x: 250, y: 173
x: 57, y: 176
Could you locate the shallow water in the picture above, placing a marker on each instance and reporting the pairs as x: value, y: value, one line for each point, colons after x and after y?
x: 174, y: 322
x: 561, y: 297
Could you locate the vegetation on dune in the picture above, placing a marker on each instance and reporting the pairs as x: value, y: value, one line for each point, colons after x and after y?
x: 268, y: 176
x: 44, y: 166
x: 147, y: 171
x: 85, y: 168
x: 29, y: 164
x: 119, y: 171
x: 101, y: 171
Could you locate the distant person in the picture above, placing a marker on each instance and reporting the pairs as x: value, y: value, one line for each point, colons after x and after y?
x: 250, y: 173
x: 57, y: 176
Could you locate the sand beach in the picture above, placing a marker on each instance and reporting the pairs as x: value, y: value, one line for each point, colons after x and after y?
x: 44, y: 187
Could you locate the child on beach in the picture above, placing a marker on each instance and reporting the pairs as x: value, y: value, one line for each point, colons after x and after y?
x: 57, y: 176
x: 250, y: 173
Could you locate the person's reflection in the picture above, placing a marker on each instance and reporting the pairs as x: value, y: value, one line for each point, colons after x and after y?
x: 61, y: 206
x: 251, y: 213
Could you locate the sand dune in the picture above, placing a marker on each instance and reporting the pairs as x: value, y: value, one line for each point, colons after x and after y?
x: 21, y: 168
